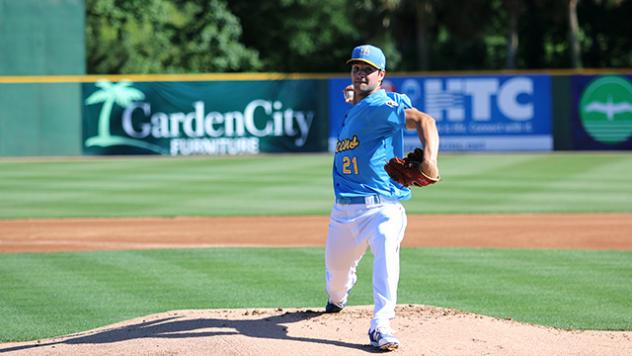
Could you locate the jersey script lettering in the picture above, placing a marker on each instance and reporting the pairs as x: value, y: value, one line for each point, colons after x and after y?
x: 347, y: 144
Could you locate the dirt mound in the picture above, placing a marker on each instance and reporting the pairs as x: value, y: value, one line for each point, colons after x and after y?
x: 422, y: 330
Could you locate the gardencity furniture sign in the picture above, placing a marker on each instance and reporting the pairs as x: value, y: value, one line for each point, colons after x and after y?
x: 203, y: 118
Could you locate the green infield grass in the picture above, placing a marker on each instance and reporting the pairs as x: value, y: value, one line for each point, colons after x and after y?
x: 301, y: 185
x: 51, y: 294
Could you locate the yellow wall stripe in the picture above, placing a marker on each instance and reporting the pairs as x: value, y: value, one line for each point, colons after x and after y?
x: 160, y: 77
x: 279, y: 76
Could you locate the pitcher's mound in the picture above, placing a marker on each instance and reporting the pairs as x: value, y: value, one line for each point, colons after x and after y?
x: 422, y: 330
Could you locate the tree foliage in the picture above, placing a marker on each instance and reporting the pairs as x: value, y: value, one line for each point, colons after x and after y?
x: 165, y: 36
x: 297, y: 35
x: 175, y: 36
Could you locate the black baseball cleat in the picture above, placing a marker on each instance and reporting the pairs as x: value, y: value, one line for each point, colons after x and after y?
x: 333, y: 308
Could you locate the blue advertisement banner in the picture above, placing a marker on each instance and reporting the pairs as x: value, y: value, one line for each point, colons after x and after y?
x: 602, y: 112
x: 473, y: 113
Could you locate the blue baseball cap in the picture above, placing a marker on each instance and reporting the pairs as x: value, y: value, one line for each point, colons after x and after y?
x: 370, y: 55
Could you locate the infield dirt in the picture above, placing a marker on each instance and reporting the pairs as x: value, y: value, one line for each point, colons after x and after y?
x: 578, y: 231
x: 423, y: 330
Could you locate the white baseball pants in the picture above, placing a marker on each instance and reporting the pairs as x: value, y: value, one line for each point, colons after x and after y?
x: 353, y: 227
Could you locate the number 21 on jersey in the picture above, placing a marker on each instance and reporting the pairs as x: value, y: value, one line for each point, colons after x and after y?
x: 350, y: 165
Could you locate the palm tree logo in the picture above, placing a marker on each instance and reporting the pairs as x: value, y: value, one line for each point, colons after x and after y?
x: 123, y: 95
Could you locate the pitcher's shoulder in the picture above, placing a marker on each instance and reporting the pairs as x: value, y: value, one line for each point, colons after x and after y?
x: 400, y: 99
x: 382, y: 98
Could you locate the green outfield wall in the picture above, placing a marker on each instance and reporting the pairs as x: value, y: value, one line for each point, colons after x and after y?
x: 213, y: 114
x: 40, y: 119
x: 40, y: 38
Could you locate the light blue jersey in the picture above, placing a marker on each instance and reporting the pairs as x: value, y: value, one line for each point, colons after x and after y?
x: 371, y: 134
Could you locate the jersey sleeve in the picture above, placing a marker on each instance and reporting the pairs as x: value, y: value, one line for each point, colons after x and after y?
x: 405, y: 100
x: 398, y: 116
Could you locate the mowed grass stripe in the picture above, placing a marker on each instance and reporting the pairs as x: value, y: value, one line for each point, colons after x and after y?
x: 545, y: 287
x: 301, y: 185
x: 168, y: 187
x: 41, y: 301
x: 117, y: 286
x: 531, y: 183
x: 61, y: 293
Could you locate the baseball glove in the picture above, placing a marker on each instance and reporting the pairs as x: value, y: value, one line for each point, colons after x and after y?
x: 411, y: 170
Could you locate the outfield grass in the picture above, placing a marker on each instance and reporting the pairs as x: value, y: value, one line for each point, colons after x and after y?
x: 301, y: 185
x: 52, y: 294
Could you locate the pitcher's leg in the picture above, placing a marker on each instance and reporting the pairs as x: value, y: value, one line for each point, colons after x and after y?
x: 343, y: 252
x: 385, y: 244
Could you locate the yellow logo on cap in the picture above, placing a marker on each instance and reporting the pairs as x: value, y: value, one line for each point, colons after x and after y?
x: 364, y: 51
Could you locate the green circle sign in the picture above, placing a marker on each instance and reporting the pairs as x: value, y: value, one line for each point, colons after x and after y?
x: 605, y: 109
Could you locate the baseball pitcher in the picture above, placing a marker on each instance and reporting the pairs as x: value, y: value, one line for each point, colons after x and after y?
x: 370, y: 177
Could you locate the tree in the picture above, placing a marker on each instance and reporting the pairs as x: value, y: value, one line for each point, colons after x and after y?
x: 158, y: 36
x: 513, y: 8
x: 298, y: 35
x: 176, y: 36
x: 573, y: 33
x: 604, y: 33
x: 424, y: 18
x: 460, y: 34
x: 206, y: 37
